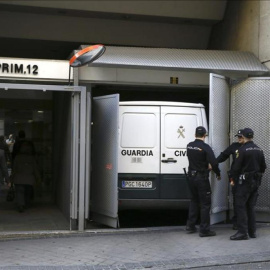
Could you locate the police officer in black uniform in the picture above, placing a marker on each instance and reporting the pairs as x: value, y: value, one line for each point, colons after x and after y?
x: 247, y: 171
x: 232, y: 150
x: 200, y: 155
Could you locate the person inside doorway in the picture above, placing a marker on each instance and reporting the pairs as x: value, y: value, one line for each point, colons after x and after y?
x: 4, y: 176
x: 20, y: 140
x: 25, y: 174
x: 10, y: 142
x: 4, y: 146
x: 17, y: 144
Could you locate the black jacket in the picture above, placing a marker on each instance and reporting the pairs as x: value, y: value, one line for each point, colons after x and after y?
x: 249, y: 158
x: 231, y: 150
x: 200, y: 155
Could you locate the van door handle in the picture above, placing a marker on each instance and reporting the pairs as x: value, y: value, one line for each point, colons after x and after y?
x: 169, y: 160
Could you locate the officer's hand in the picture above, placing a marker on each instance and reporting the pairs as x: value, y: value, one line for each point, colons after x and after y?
x: 218, y: 177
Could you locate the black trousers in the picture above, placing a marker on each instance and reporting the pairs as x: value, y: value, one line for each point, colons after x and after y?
x: 24, y: 194
x: 234, y: 218
x: 245, y: 200
x: 200, y: 203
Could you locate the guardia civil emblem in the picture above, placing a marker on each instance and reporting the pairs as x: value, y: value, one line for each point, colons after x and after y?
x: 181, y: 131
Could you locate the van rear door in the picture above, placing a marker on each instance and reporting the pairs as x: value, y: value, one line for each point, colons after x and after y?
x: 139, y: 152
x: 178, y: 126
x: 139, y: 139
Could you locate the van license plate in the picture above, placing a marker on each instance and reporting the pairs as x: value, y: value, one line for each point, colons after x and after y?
x: 137, y: 184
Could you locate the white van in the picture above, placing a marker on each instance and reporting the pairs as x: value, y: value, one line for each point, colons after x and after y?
x: 152, y: 152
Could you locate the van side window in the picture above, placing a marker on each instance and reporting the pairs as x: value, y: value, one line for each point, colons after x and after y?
x: 139, y: 130
x: 179, y: 129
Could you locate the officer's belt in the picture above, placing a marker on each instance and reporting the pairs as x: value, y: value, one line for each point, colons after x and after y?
x: 250, y: 176
x: 194, y: 173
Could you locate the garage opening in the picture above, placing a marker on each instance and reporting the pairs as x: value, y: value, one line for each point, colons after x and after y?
x: 45, y: 117
x: 155, y: 93
x: 140, y: 93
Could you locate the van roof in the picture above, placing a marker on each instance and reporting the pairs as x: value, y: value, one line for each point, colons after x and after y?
x: 160, y: 103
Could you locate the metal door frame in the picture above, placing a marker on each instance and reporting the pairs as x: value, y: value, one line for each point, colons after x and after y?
x: 254, y: 112
x: 78, y: 156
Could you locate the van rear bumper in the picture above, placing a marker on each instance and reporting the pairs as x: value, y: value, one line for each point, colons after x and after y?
x: 153, y: 204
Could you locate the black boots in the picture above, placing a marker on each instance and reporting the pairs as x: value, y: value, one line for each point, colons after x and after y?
x: 190, y: 229
x: 239, y: 236
x: 207, y: 234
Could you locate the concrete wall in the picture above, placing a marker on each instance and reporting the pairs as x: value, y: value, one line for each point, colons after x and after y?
x: 264, y: 37
x: 240, y: 28
x: 245, y: 28
x: 94, y: 30
x: 195, y: 9
x: 53, y: 29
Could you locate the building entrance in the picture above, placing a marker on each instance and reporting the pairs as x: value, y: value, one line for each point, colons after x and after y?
x: 47, y: 118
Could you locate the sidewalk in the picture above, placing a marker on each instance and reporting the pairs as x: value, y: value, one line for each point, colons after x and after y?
x: 149, y: 248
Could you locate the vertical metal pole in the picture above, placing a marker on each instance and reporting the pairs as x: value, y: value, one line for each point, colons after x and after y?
x: 88, y: 151
x: 82, y: 151
x: 75, y: 76
x: 69, y: 72
x: 82, y: 160
x: 74, y: 156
